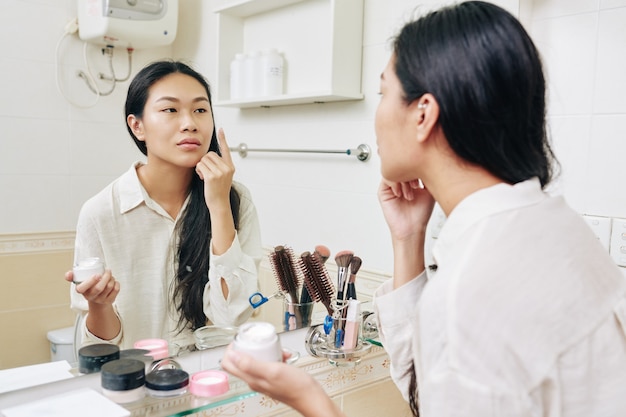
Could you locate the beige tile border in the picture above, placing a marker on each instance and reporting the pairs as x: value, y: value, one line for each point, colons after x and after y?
x: 36, y: 242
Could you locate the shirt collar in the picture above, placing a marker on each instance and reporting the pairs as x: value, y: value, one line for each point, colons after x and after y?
x: 132, y: 193
x: 482, y: 204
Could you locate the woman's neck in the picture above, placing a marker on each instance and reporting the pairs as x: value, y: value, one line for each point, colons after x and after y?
x: 453, y: 179
x: 167, y: 185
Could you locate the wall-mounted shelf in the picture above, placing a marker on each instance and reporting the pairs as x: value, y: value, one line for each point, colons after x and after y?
x: 320, y: 40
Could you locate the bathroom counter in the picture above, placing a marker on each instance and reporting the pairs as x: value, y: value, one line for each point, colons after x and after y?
x: 346, y: 385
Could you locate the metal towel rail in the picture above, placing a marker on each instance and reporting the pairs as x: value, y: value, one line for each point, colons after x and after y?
x: 362, y: 152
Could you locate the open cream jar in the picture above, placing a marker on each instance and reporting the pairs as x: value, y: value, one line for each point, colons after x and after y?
x: 87, y: 268
x: 259, y: 339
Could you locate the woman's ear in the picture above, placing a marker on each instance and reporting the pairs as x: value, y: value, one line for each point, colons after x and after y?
x: 135, y: 126
x: 426, y: 111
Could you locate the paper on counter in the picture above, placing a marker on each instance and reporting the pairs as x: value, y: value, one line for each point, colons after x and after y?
x: 29, y: 376
x: 77, y: 403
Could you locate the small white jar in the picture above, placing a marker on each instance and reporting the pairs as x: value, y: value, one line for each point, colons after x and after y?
x: 259, y: 339
x: 87, y: 268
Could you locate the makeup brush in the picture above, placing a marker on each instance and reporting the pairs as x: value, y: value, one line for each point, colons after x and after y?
x: 355, y: 265
x: 283, y: 266
x: 317, y: 280
x: 342, y: 259
x: 323, y: 252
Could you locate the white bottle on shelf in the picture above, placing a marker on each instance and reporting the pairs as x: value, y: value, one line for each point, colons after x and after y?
x: 237, y: 79
x: 272, y: 64
x: 253, y: 75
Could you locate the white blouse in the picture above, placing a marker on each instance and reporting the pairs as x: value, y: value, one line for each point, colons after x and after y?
x: 525, y: 316
x: 133, y: 234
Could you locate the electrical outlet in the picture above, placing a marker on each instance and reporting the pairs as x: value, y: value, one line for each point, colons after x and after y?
x: 618, y: 242
x: 601, y: 227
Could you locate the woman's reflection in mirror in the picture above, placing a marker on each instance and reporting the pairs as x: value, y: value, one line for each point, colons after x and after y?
x: 180, y: 239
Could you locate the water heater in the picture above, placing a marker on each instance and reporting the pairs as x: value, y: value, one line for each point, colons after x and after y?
x: 128, y: 23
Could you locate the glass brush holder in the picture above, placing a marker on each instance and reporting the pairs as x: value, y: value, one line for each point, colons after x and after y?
x: 340, y: 337
x: 296, y: 315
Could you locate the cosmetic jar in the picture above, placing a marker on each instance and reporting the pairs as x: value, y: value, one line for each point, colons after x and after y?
x: 87, y: 268
x: 167, y: 383
x: 209, y: 383
x: 158, y: 348
x: 259, y: 339
x: 92, y: 357
x: 123, y: 380
x: 208, y: 337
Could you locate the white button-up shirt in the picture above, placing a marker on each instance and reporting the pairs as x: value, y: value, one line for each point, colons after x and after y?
x: 525, y: 316
x: 134, y: 236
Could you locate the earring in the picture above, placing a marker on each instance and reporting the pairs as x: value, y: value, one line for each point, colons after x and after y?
x: 422, y: 105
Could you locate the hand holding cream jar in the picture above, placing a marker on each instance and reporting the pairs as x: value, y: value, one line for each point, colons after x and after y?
x: 259, y: 339
x: 87, y: 268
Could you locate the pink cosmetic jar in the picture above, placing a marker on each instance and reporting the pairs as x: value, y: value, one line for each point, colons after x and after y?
x: 209, y: 383
x: 158, y: 348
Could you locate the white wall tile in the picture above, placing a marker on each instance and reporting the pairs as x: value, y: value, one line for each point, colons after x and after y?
x: 567, y: 46
x: 609, y: 4
x: 542, y: 9
x: 570, y: 137
x: 606, y: 166
x: 610, y: 82
x: 34, y: 203
x: 34, y: 146
x: 101, y: 149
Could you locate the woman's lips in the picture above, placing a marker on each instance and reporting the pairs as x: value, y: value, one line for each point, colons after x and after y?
x: 188, y: 144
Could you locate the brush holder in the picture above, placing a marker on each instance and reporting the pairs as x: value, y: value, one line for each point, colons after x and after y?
x: 296, y: 315
x: 339, y: 339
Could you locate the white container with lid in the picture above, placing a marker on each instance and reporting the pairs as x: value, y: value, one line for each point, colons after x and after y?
x: 259, y: 339
x: 252, y: 75
x: 237, y: 77
x: 87, y: 268
x: 272, y: 64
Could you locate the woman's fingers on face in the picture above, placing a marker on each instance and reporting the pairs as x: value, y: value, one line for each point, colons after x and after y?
x: 224, y: 150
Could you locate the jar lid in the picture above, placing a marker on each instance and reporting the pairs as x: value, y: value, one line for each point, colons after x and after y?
x: 92, y: 357
x: 167, y: 379
x: 209, y: 383
x: 141, y: 354
x: 123, y: 374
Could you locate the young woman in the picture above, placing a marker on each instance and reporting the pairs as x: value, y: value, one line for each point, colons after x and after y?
x: 180, y: 239
x: 526, y: 312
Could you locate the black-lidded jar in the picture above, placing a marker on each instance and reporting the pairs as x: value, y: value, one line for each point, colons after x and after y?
x: 123, y: 380
x: 167, y: 382
x: 92, y: 357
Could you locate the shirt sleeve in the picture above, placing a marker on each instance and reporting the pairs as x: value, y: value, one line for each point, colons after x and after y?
x: 395, y: 312
x: 88, y: 245
x: 239, y: 268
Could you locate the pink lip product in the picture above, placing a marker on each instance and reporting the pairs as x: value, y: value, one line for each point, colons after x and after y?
x: 92, y: 357
x: 123, y: 380
x: 167, y: 383
x: 259, y: 339
x: 351, y: 332
x: 209, y: 383
x: 87, y: 268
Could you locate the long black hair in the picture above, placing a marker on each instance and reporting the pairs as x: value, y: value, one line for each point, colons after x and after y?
x: 193, y: 231
x: 487, y: 77
x: 485, y: 72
